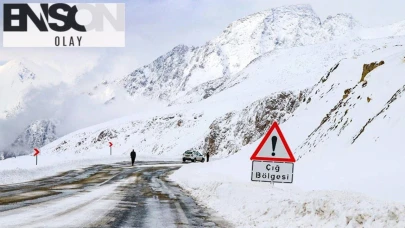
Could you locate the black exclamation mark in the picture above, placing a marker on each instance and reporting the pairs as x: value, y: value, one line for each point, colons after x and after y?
x: 273, y: 143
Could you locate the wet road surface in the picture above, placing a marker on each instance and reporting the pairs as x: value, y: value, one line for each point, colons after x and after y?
x: 116, y: 195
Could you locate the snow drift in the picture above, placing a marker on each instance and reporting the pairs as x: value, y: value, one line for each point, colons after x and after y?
x: 346, y: 138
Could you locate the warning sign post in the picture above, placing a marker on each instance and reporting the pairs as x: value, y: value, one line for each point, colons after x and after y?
x: 273, y: 160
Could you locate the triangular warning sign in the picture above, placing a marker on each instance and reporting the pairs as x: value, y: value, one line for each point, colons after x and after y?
x: 273, y: 147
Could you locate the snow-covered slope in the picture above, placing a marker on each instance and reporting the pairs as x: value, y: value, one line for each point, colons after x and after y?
x: 335, y: 87
x: 190, y: 74
x: 347, y: 141
x: 170, y: 134
x: 282, y: 50
x: 228, y: 120
x: 178, y: 72
x: 360, y: 127
x: 254, y: 53
x: 229, y: 133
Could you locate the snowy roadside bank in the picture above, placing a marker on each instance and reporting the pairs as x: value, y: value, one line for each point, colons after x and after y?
x: 23, y: 168
x: 225, y: 187
x: 258, y: 205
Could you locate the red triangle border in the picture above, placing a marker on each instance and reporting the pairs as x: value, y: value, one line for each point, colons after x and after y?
x: 277, y: 128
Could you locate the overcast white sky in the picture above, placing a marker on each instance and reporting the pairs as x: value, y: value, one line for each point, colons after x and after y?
x: 156, y: 26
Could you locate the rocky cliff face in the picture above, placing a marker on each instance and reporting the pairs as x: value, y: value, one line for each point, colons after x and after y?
x: 229, y: 133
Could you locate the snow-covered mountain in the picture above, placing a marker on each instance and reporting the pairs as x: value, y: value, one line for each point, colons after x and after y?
x: 185, y: 71
x: 273, y: 61
x: 336, y: 88
x: 35, y: 92
x: 36, y: 135
x: 225, y: 122
x: 22, y: 83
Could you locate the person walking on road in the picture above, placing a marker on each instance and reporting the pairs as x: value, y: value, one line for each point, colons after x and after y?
x: 208, y: 157
x: 133, y: 156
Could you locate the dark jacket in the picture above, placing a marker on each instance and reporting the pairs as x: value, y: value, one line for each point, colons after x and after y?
x: 133, y: 154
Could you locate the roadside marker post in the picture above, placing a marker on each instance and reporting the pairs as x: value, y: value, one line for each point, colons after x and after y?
x: 110, y: 147
x: 36, y: 155
x: 273, y: 160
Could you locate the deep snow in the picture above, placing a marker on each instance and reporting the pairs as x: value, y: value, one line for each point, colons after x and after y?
x: 348, y: 149
x: 338, y: 181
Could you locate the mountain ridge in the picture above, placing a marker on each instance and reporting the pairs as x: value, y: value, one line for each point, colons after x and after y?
x: 187, y: 77
x: 175, y: 74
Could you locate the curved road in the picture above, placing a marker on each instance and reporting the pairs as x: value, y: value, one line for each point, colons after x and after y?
x: 117, y: 195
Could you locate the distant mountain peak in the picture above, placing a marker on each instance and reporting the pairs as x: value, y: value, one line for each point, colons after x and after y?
x: 181, y: 70
x: 37, y: 134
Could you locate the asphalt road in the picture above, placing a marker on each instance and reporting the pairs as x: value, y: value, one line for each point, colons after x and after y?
x: 117, y: 195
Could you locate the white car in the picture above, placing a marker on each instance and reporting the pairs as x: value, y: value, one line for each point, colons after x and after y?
x: 193, y: 156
